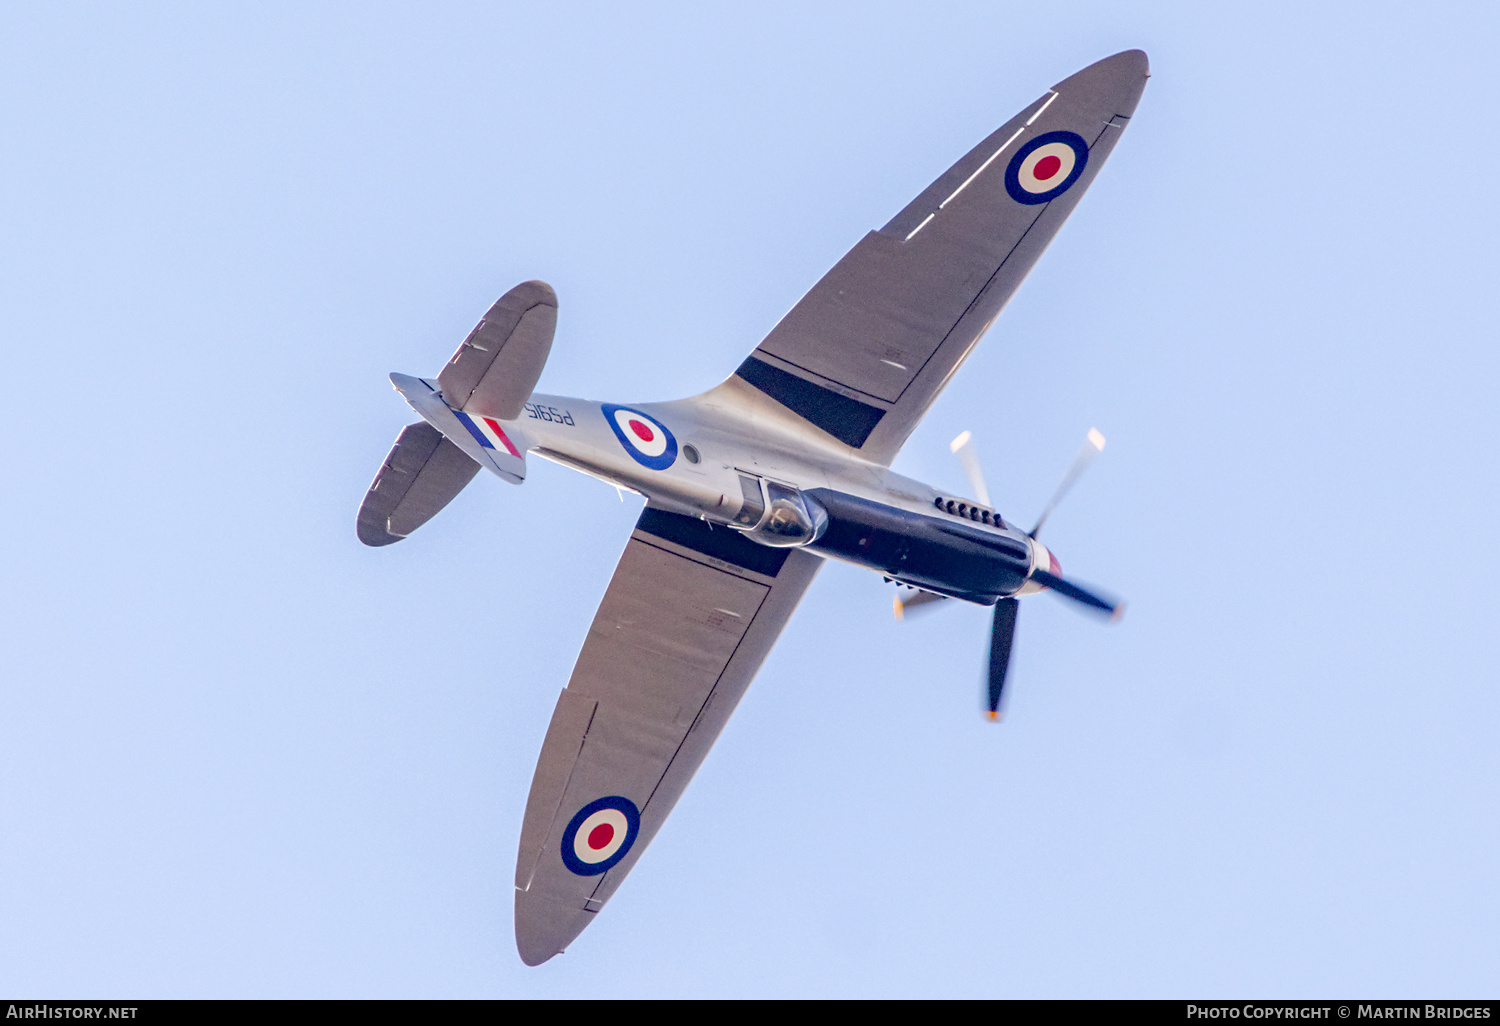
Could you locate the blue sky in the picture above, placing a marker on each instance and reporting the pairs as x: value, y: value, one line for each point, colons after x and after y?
x: 245, y: 756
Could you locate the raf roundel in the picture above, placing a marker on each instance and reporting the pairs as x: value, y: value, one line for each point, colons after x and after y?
x: 1046, y: 167
x: 600, y: 835
x: 645, y: 438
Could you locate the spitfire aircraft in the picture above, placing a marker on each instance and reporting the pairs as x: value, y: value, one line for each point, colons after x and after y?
x: 750, y: 486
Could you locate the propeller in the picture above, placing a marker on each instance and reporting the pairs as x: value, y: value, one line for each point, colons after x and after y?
x: 963, y: 448
x: 1003, y: 626
x: 1093, y: 445
x: 916, y: 600
x: 1109, y: 607
x: 1002, y: 634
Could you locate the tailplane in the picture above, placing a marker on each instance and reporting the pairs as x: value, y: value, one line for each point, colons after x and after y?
x: 496, y: 369
x: 422, y: 474
x: 488, y: 380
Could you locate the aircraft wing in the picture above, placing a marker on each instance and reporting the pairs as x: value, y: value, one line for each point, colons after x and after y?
x: 687, y: 620
x: 864, y: 354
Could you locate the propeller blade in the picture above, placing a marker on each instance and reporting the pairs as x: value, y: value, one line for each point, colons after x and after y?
x: 1093, y: 445
x: 963, y: 448
x: 1002, y: 634
x: 917, y: 599
x: 1082, y: 595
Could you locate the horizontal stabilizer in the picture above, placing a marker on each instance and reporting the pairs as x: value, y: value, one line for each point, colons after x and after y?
x: 421, y: 475
x: 495, y: 370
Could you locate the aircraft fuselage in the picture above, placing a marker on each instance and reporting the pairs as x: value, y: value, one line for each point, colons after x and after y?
x: 748, y: 472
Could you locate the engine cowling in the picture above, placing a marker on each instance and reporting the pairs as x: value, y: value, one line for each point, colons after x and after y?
x: 970, y: 561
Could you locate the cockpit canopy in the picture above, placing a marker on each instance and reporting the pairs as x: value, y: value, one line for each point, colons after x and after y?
x: 779, y: 515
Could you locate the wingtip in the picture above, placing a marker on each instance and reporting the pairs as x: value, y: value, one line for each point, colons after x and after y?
x: 369, y: 536
x: 545, y: 928
x: 1135, y: 57
x: 534, y: 959
x: 1115, y: 82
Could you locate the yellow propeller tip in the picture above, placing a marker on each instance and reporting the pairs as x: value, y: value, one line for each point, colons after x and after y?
x: 993, y: 715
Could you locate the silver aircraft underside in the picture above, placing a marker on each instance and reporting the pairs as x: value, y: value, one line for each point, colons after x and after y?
x: 751, y: 485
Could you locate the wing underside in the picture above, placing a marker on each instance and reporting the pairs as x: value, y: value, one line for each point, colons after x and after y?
x: 864, y: 354
x: 688, y: 617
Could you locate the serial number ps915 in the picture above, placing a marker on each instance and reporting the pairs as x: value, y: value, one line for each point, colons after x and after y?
x: 550, y: 414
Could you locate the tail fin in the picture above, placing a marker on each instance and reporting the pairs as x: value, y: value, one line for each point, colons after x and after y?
x: 422, y: 474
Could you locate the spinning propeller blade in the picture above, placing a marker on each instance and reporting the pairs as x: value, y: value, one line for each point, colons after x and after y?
x: 1002, y: 634
x: 1092, y: 446
x: 963, y: 448
x: 917, y: 599
x: 1068, y: 589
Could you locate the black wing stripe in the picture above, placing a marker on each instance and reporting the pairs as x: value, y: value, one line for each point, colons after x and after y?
x: 848, y: 420
x: 718, y: 542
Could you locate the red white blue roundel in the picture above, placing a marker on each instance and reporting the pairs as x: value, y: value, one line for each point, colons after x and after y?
x: 1046, y: 167
x: 600, y: 835
x: 646, y: 439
